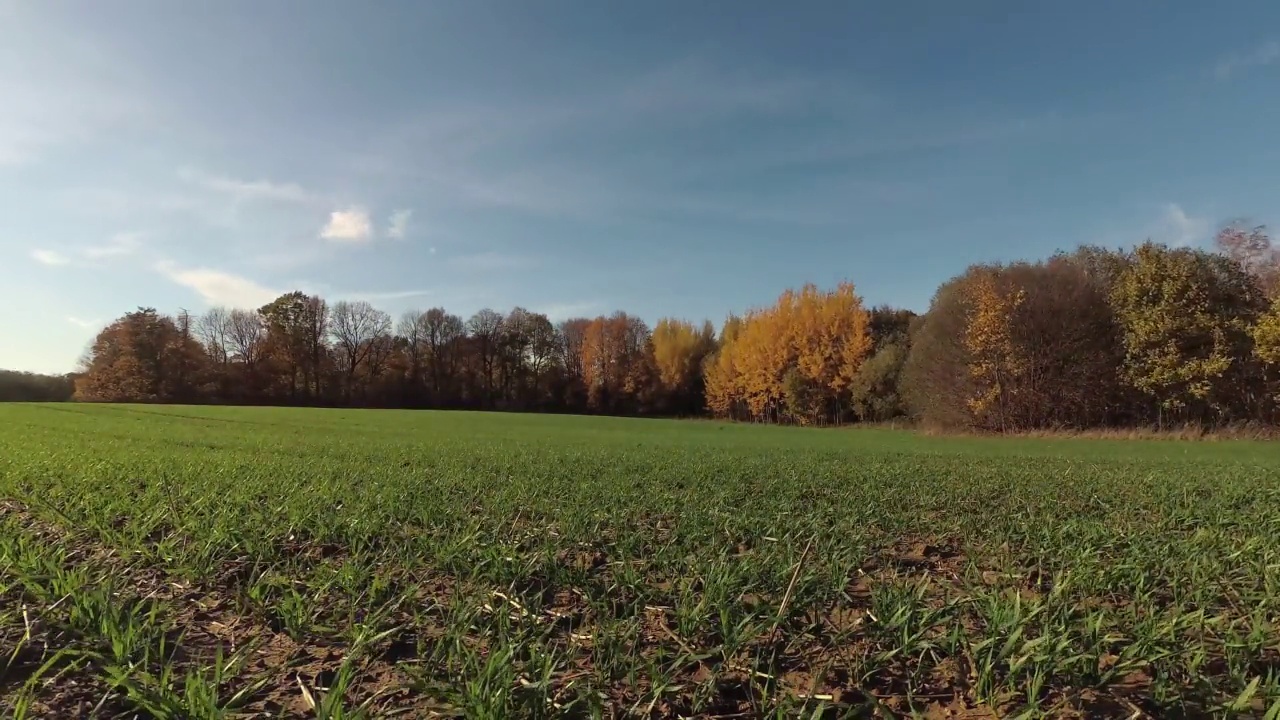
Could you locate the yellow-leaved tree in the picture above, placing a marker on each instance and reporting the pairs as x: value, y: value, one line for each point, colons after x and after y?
x: 995, y: 362
x: 679, y: 349
x: 721, y: 387
x: 833, y: 338
x: 1186, y: 316
x: 1266, y: 335
x: 792, y: 361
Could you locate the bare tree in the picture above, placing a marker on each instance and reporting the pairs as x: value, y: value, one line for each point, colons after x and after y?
x: 356, y: 327
x: 1252, y: 248
x: 213, y: 329
x: 440, y: 332
x: 543, y: 344
x: 381, y: 348
x: 409, y: 327
x: 485, y: 328
x: 514, y: 337
x: 245, y: 336
x: 315, y: 323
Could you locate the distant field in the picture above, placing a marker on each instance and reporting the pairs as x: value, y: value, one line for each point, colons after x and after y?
x: 224, y: 562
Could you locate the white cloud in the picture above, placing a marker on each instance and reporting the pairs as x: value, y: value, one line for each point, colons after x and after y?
x: 119, y: 244
x: 1265, y: 54
x: 248, y: 190
x: 49, y: 257
x: 399, y: 224
x: 1179, y: 229
x: 82, y: 323
x: 350, y: 225
x: 217, y: 287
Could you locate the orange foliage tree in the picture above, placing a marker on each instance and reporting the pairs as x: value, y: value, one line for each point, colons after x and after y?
x: 142, y: 357
x: 679, y: 349
x: 995, y: 362
x: 614, y: 354
x: 792, y: 361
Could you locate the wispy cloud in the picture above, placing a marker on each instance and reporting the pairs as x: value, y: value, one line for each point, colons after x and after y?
x: 1265, y: 54
x: 904, y: 137
x: 248, y: 190
x: 479, y: 156
x: 118, y: 245
x: 164, y: 202
x: 690, y: 90
x: 49, y: 257
x: 216, y: 287
x: 1179, y: 229
x: 398, y: 227
x: 350, y: 226
x: 82, y: 323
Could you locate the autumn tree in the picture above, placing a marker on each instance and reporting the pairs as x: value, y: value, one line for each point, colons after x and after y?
x: 142, y: 357
x: 832, y: 337
x: 1086, y: 338
x: 995, y: 362
x: 1069, y: 338
x: 1266, y: 335
x: 598, y: 359
x: 722, y: 385
x: 615, y: 370
x: 1186, y: 316
x: 297, y: 327
x: 679, y: 349
x: 795, y: 360
x: 722, y: 393
x: 1021, y: 346
x: 762, y: 354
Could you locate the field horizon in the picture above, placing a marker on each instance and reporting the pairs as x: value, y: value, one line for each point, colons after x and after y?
x: 204, y: 561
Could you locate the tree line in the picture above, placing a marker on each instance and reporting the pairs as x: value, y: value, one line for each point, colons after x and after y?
x: 1084, y: 339
x: 34, y: 387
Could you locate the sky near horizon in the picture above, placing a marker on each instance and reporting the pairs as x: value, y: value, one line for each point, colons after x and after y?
x: 577, y: 157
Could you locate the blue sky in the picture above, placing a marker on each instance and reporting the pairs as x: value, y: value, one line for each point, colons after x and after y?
x: 665, y: 158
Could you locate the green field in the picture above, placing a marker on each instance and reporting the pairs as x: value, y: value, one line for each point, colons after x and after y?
x: 178, y: 562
